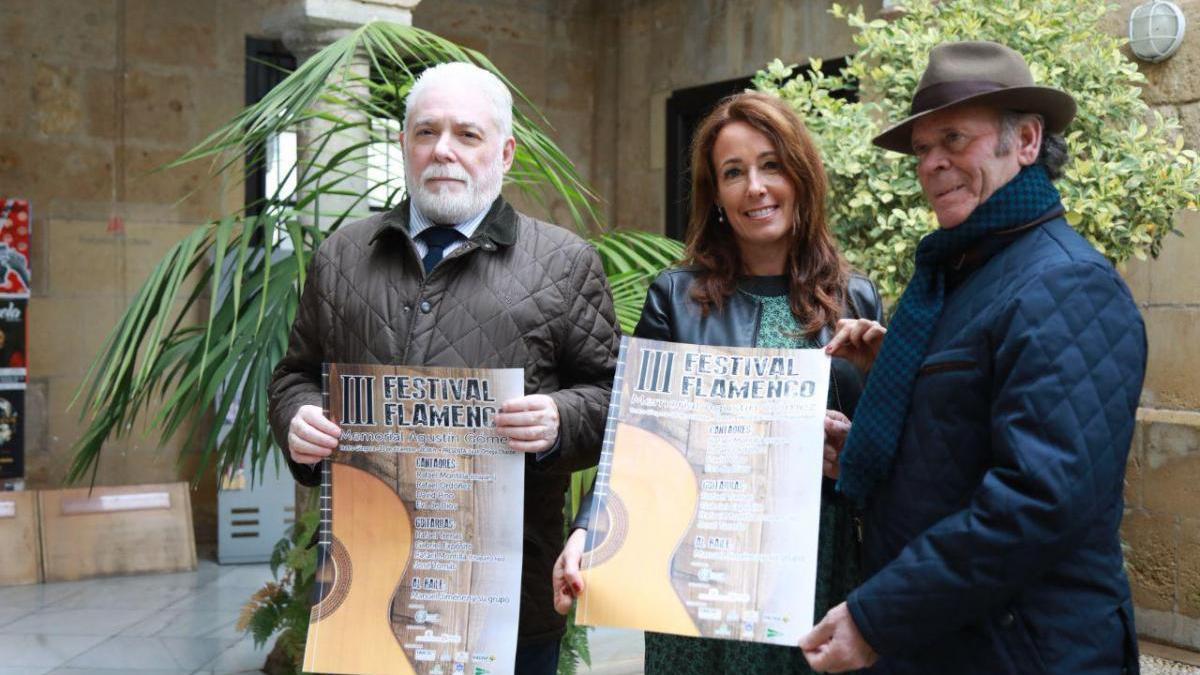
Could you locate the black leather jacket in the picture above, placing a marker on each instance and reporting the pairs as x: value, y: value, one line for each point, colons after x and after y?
x: 670, y: 314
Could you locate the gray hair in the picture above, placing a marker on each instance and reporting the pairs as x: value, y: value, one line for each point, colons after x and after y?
x: 476, y: 78
x: 1053, y: 152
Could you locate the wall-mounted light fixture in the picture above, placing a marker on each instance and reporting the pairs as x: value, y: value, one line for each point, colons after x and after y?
x: 1156, y: 30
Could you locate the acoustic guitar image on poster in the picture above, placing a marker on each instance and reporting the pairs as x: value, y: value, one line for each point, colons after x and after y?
x: 708, y: 493
x: 419, y: 543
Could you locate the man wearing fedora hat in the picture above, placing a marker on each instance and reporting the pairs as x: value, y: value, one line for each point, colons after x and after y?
x: 989, y: 446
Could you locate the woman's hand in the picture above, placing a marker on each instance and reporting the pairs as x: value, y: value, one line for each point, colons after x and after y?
x: 857, y: 341
x: 837, y: 428
x: 568, y: 582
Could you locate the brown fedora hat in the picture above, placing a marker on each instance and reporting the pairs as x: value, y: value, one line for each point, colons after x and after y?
x: 978, y: 73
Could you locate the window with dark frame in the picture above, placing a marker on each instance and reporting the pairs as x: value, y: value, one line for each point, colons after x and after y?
x: 685, y: 109
x: 268, y: 63
x: 385, y: 158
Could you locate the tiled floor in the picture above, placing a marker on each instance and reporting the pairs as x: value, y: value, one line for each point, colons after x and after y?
x: 168, y: 624
x: 150, y: 624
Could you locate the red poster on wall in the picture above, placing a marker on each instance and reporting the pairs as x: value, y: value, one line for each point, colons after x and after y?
x: 15, y: 219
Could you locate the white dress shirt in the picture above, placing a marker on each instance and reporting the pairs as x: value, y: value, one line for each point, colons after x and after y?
x: 418, y: 223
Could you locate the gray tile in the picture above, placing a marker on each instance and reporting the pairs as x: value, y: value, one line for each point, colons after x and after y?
x: 220, y: 599
x: 171, y: 580
x: 164, y: 623
x: 43, y: 650
x: 150, y: 653
x: 37, y: 596
x: 122, y: 596
x: 186, y: 623
x: 10, y: 614
x: 75, y: 621
x: 119, y: 671
x: 242, y: 657
x: 229, y: 631
x: 130, y: 653
x: 31, y: 670
x: 193, y: 653
x: 244, y: 575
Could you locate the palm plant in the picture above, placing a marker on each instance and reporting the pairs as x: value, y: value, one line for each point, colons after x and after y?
x: 205, y: 330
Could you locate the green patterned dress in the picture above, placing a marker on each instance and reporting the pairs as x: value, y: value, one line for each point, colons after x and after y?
x: 837, y: 556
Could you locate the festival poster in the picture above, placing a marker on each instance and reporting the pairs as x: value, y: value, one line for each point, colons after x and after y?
x: 14, y: 246
x: 12, y: 431
x: 421, y: 536
x: 709, y: 493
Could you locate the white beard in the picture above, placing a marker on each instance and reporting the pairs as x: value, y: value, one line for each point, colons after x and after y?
x: 448, y: 207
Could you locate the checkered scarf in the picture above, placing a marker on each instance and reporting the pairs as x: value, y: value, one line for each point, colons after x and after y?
x: 879, y: 418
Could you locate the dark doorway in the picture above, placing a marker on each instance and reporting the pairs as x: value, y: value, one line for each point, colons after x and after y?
x: 685, y: 109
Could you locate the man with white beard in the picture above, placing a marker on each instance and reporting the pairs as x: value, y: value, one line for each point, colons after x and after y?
x: 455, y: 277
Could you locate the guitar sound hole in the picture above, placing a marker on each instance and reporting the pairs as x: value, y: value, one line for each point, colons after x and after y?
x: 618, y: 526
x: 332, y: 582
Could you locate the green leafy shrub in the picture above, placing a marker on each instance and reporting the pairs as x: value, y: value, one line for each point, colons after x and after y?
x: 1129, y: 171
x: 282, y: 606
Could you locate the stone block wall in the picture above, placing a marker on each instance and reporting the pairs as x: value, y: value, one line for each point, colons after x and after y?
x: 602, y: 71
x: 98, y: 94
x: 548, y: 50
x: 1162, y: 522
x: 659, y: 46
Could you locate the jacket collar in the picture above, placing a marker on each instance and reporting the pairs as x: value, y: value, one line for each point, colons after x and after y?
x: 975, y: 257
x: 499, y: 226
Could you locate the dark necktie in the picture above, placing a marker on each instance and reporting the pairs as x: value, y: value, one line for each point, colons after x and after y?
x: 437, y: 238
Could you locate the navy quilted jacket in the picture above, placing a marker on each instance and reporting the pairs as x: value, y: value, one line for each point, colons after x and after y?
x: 993, y: 545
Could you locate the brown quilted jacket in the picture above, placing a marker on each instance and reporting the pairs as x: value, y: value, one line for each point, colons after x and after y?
x: 521, y: 293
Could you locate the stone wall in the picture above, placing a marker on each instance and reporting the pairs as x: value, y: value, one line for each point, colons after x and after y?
x: 1162, y: 522
x: 659, y: 46
x: 96, y: 96
x: 602, y: 71
x: 547, y: 49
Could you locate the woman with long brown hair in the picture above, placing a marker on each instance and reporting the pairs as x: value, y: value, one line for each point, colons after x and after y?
x: 762, y: 270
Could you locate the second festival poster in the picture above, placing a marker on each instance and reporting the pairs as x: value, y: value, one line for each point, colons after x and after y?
x: 419, y: 564
x: 709, y: 493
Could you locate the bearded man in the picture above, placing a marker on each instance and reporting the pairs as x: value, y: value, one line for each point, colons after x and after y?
x: 989, y: 445
x: 455, y: 277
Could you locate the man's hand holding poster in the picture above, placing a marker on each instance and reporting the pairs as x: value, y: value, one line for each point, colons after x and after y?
x: 419, y: 567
